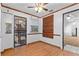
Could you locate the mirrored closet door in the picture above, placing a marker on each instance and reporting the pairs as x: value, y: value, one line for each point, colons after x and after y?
x: 19, y: 31
x: 71, y: 31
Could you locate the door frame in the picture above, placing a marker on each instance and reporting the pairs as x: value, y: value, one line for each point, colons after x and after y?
x: 25, y: 28
x: 63, y: 26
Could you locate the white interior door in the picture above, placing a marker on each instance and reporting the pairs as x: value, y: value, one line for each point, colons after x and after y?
x: 7, y: 36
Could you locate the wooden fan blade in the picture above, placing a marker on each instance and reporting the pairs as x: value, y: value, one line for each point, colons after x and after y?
x: 51, y: 10
x: 30, y: 7
x: 45, y: 3
x: 45, y: 9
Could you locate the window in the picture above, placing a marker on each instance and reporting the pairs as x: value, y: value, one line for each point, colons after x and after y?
x: 34, y: 28
x: 48, y: 26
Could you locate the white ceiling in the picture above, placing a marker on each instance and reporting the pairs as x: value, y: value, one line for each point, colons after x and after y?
x: 49, y: 6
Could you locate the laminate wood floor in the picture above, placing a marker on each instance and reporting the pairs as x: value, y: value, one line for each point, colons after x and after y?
x: 37, y: 49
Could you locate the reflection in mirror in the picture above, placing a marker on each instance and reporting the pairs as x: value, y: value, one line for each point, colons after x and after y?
x: 71, y: 31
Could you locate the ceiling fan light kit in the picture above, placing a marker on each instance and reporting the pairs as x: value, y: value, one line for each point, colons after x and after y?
x: 38, y: 9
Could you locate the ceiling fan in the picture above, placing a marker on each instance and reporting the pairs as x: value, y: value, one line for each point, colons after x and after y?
x: 39, y: 7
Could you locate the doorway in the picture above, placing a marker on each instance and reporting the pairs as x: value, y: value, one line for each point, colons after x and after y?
x: 71, y: 31
x: 20, y: 26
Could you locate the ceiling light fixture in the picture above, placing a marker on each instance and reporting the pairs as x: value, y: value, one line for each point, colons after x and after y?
x: 68, y: 17
x: 38, y: 9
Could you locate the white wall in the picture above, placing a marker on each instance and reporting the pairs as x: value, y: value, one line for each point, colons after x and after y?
x: 0, y: 27
x: 57, y: 30
x: 30, y: 38
x: 58, y: 26
x: 33, y: 38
